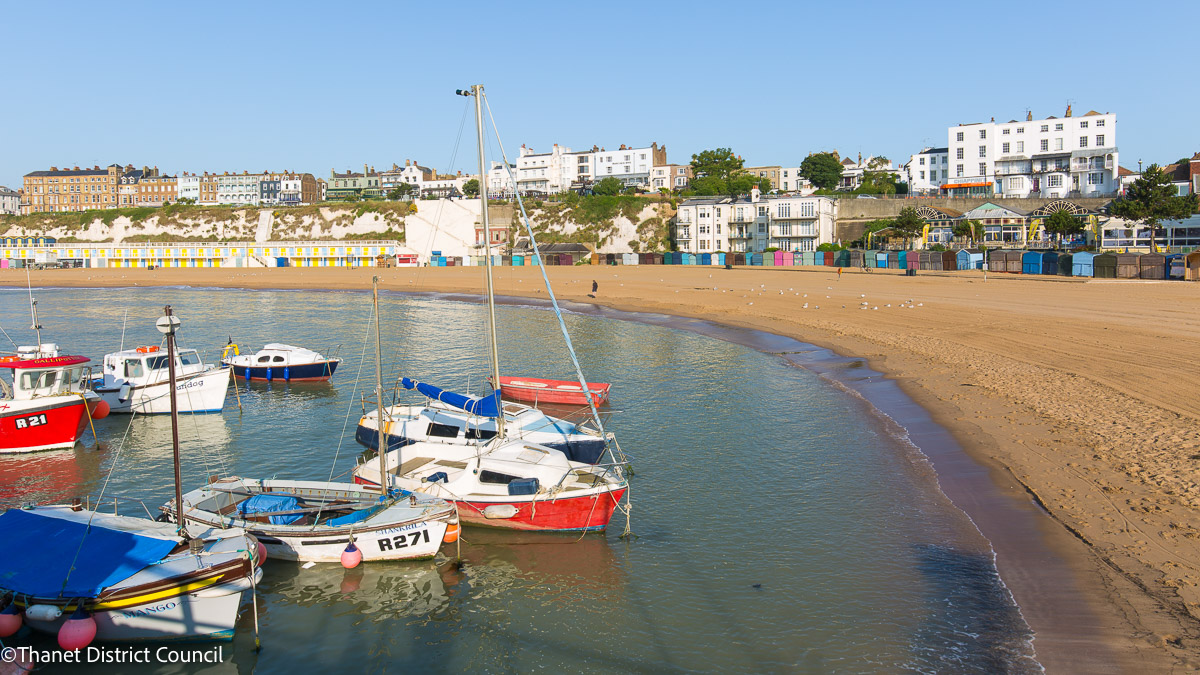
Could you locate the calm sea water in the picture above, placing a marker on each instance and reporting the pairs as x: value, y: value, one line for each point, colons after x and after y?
x: 777, y: 526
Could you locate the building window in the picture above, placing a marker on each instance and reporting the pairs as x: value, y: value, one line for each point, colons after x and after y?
x: 785, y: 230
x: 1004, y: 148
x: 1016, y: 183
x: 1099, y: 123
x: 1054, y: 181
x: 1058, y: 144
x: 1004, y: 132
x: 959, y: 172
x: 1083, y: 125
x: 1020, y: 146
x: 1099, y: 140
x: 983, y: 151
x: 1020, y: 130
x: 983, y: 133
x: 959, y: 136
x: 1095, y: 179
x: 784, y: 210
x: 762, y: 210
x: 922, y: 161
x: 1083, y: 141
x: 1058, y: 127
x: 762, y: 228
x: 958, y: 153
x: 982, y: 169
x: 922, y: 175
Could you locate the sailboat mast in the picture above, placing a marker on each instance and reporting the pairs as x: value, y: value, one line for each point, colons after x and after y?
x: 169, y: 324
x: 383, y: 477
x: 33, y: 312
x: 477, y: 91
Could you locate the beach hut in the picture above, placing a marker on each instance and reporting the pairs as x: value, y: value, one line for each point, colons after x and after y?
x: 805, y: 258
x: 1152, y: 266
x: 1191, y: 266
x: 739, y: 259
x: 755, y: 259
x: 841, y: 258
x: 1013, y: 262
x: 901, y: 260
x: 1175, y: 266
x: 1081, y: 264
x: 705, y: 259
x: 719, y: 259
x: 1050, y: 262
x: 969, y: 260
x: 656, y: 258
x: 1066, y: 264
x: 1104, y: 266
x: 856, y: 259
x: 779, y: 258
x: 1031, y: 262
x: 1128, y: 266
x: 997, y: 260
x: 769, y: 258
x: 949, y: 261
x: 881, y: 259
x: 789, y: 258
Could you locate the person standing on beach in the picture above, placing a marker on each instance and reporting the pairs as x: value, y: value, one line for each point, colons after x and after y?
x: 839, y: 273
x: 594, y: 287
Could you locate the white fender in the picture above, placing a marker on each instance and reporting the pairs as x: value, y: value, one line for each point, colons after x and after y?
x: 499, y: 511
x: 43, y: 613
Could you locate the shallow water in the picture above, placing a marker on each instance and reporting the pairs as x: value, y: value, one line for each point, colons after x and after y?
x: 778, y: 526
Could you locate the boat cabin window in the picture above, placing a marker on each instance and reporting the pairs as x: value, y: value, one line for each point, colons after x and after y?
x: 481, y: 434
x: 157, y: 362
x: 278, y: 359
x: 39, y: 381
x: 189, y: 357
x: 443, y: 430
x: 133, y: 368
x: 264, y: 359
x: 496, y: 478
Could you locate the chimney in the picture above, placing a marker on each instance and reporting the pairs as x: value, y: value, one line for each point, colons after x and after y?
x: 76, y: 168
x: 364, y: 170
x: 754, y: 194
x: 1068, y: 110
x: 1028, y: 115
x: 54, y: 168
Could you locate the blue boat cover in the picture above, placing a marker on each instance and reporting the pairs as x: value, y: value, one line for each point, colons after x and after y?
x: 488, y: 406
x: 39, y: 550
x: 263, y: 503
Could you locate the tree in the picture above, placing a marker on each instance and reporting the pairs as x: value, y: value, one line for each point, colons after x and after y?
x: 1152, y: 198
x: 710, y: 185
x: 822, y: 170
x: 471, y: 188
x: 720, y: 163
x: 1062, y: 223
x: 741, y: 184
x: 908, y: 222
x: 608, y: 186
x: 877, y: 178
x: 764, y: 185
x: 875, y: 227
x: 971, y: 229
x: 402, y: 191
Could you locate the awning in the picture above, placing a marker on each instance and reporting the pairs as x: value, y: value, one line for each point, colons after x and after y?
x: 951, y: 186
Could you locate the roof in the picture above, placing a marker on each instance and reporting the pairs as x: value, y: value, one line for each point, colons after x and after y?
x: 1177, y: 172
x: 1122, y: 171
x: 990, y: 210
x: 1090, y: 113
x: 73, y: 172
x: 7, y: 192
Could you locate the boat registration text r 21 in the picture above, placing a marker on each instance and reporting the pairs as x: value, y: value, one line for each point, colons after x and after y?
x: 31, y: 421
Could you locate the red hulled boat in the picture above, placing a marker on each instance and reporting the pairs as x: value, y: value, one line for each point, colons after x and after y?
x: 542, y: 390
x: 47, y: 404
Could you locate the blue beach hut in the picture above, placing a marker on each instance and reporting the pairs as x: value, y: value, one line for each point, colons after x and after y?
x: 881, y: 259
x: 1081, y: 264
x: 1049, y: 262
x: 1031, y: 262
x: 756, y: 259
x: 969, y: 260
x: 901, y: 260
x: 706, y: 259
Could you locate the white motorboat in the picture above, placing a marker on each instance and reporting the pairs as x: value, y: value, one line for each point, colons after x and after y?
x: 135, y: 381
x: 316, y: 520
x: 438, y: 422
x: 277, y: 361
x: 137, y: 579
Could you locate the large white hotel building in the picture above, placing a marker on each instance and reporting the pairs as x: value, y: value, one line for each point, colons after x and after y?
x: 1053, y: 157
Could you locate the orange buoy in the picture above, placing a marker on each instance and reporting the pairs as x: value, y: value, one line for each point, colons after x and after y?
x: 452, y: 532
x: 101, y: 410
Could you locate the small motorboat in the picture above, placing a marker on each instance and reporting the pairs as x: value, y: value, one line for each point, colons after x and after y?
x: 135, y: 381
x: 279, y: 362
x: 48, y: 403
x: 541, y: 390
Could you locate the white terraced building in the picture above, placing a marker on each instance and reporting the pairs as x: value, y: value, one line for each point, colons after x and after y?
x: 755, y: 223
x: 927, y: 170
x: 1051, y: 158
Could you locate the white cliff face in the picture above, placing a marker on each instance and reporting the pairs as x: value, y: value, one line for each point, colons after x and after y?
x: 449, y: 226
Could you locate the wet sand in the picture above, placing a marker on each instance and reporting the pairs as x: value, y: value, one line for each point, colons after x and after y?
x: 1076, y: 398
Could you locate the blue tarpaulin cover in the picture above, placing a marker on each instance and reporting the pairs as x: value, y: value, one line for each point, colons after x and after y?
x: 488, y: 406
x: 269, y: 503
x: 39, y: 549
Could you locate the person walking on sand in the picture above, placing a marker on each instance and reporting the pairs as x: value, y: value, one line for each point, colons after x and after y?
x: 594, y: 287
x: 839, y: 273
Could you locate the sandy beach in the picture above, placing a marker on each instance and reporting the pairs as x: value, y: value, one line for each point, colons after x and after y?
x: 1080, y: 397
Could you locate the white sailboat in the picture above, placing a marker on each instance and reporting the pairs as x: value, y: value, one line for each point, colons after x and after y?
x: 320, y: 521
x: 497, y: 478
x: 89, y: 575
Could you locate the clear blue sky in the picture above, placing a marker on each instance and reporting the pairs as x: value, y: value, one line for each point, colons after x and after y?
x: 312, y: 86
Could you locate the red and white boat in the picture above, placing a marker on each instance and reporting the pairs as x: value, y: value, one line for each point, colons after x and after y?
x: 541, y: 390
x: 47, y: 404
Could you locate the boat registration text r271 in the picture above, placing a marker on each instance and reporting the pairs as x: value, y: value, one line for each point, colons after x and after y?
x: 402, y: 540
x: 31, y: 421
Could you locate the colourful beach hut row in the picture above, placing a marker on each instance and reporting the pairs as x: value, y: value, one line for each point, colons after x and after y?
x: 1095, y: 265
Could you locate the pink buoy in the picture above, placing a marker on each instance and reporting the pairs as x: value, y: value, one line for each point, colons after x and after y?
x: 10, y: 620
x: 351, y: 557
x: 262, y: 553
x: 78, y: 631
x: 101, y: 411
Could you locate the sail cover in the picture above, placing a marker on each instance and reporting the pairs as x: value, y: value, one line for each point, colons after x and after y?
x: 39, y: 550
x: 488, y: 406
